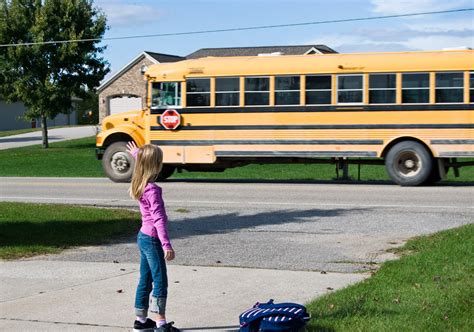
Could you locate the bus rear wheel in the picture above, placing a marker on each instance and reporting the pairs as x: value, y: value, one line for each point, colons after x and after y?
x: 118, y: 163
x: 408, y: 163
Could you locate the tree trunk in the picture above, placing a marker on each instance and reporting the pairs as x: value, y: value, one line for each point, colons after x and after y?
x: 44, y: 126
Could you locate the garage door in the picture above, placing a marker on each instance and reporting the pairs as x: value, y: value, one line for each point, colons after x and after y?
x: 124, y: 104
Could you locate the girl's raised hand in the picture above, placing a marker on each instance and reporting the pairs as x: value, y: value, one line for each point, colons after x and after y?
x: 169, y: 254
x: 131, y: 147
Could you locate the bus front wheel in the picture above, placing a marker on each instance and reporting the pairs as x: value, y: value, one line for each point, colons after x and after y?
x: 408, y: 163
x: 118, y: 163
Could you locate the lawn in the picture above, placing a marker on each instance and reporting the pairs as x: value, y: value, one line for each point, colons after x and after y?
x: 28, y: 229
x: 76, y: 158
x: 431, y: 288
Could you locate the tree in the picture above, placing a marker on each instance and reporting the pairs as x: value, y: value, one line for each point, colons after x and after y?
x: 45, y: 76
x: 88, y: 108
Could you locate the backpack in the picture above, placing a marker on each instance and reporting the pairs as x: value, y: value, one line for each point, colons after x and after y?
x: 284, y: 317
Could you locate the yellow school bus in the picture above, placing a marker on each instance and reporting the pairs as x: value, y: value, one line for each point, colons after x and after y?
x: 412, y: 111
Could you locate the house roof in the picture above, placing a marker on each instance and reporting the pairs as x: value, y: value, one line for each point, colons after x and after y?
x: 252, y: 51
x: 160, y: 57
x: 152, y: 56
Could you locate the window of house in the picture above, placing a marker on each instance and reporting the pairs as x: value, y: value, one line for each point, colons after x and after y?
x: 227, y: 91
x: 350, y: 88
x: 198, y: 92
x: 449, y: 87
x: 164, y: 94
x: 382, y: 88
x: 257, y: 91
x: 416, y: 88
x: 318, y: 89
x: 287, y: 90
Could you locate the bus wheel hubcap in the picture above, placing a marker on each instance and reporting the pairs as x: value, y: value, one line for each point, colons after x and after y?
x: 409, y: 164
x: 120, y: 162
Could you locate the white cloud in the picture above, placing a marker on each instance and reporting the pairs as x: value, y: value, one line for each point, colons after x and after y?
x: 365, y: 42
x: 351, y: 43
x: 458, y: 25
x: 437, y: 42
x: 120, y: 13
x: 433, y: 32
x: 386, y: 7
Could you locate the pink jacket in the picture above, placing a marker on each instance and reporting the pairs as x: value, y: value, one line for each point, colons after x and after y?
x: 154, y: 216
x: 153, y: 212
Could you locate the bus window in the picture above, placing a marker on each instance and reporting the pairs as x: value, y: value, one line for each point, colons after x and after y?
x: 198, y: 92
x: 382, y: 88
x: 416, y: 88
x: 227, y: 91
x: 471, y: 85
x: 287, y: 90
x: 450, y: 87
x: 165, y: 94
x: 350, y: 88
x: 257, y: 91
x: 318, y: 89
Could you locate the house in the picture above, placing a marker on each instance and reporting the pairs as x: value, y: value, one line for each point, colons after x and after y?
x: 253, y: 51
x: 126, y: 90
x: 11, y: 117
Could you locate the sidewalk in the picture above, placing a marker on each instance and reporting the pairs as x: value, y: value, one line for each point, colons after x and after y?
x: 54, y: 135
x: 41, y: 295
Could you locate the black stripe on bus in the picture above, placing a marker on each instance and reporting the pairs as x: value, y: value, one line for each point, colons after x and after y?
x: 323, y: 108
x: 289, y: 127
x: 267, y: 142
x: 452, y: 141
x: 296, y: 154
x: 454, y: 154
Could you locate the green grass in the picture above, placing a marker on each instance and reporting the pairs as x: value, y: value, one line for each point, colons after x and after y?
x: 28, y: 229
x: 76, y: 158
x: 300, y: 172
x: 431, y: 288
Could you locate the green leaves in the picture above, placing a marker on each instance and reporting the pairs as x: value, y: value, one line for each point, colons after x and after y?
x: 45, y: 76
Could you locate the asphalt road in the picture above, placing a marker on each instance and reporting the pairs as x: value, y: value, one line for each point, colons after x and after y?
x: 331, y: 227
x: 54, y: 135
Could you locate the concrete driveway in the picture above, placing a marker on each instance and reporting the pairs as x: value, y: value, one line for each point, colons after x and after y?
x: 54, y: 135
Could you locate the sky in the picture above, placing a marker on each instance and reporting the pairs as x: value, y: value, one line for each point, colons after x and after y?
x: 427, y: 32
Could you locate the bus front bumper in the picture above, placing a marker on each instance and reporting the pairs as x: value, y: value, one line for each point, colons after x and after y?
x: 99, y: 153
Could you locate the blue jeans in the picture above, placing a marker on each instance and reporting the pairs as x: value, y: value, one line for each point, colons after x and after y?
x: 152, y: 276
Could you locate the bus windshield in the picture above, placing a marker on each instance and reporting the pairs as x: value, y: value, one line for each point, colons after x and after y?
x: 165, y: 94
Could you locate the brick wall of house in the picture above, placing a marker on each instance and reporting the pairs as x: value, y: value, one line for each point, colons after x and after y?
x: 131, y: 83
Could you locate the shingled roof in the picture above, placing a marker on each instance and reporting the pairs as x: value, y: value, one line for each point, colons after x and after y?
x: 160, y: 57
x: 252, y: 51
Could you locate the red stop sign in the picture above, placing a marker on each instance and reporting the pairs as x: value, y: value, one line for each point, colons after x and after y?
x: 170, y: 119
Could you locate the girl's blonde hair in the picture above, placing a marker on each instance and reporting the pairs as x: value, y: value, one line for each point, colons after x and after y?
x: 147, y: 166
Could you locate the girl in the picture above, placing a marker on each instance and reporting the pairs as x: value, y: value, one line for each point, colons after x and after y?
x: 153, y: 241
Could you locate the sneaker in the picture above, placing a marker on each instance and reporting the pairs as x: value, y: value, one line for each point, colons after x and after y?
x: 149, y: 325
x: 168, y: 327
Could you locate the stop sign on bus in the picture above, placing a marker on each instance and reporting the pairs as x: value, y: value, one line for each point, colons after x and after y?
x: 170, y: 119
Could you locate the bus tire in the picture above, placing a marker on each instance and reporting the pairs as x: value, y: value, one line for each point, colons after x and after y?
x: 434, y: 174
x: 118, y: 163
x: 166, y: 172
x: 408, y: 163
